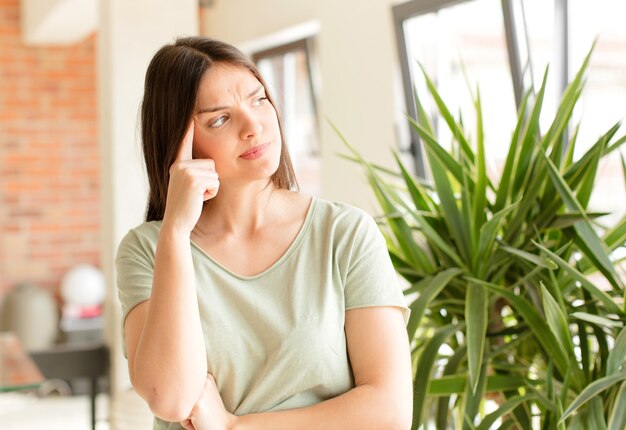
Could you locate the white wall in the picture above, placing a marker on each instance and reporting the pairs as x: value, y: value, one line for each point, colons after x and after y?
x: 357, y: 62
x: 57, y: 22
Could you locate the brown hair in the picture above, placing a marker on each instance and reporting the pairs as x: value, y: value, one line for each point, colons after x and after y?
x: 170, y: 92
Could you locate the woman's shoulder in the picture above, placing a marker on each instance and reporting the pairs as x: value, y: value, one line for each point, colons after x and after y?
x: 140, y: 239
x: 148, y: 230
x: 343, y: 216
x: 348, y: 228
x: 341, y: 210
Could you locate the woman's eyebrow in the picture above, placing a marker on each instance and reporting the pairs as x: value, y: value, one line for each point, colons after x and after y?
x: 218, y: 108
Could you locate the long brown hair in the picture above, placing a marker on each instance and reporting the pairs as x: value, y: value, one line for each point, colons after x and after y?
x: 169, y: 101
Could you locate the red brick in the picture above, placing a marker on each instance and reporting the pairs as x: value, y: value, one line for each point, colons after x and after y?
x: 49, y: 156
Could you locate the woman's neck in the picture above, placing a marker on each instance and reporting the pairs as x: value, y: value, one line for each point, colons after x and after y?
x: 239, y: 211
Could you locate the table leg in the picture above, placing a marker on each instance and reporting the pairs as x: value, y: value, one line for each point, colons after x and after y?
x: 92, y: 392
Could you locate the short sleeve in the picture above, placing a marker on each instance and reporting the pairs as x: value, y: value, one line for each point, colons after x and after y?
x: 134, y: 265
x: 371, y: 278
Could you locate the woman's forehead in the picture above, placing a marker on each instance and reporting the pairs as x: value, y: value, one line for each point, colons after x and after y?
x: 224, y: 81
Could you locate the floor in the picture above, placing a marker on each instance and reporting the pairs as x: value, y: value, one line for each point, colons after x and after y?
x: 26, y: 412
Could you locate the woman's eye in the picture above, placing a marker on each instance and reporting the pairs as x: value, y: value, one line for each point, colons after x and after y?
x: 261, y: 100
x: 218, y: 122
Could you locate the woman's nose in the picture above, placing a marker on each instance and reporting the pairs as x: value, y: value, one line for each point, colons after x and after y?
x: 251, y: 125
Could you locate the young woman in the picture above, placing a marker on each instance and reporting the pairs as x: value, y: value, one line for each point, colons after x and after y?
x: 246, y: 304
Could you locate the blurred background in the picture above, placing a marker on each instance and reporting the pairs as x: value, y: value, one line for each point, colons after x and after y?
x: 72, y: 180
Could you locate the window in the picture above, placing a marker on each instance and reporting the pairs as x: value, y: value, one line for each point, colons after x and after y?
x: 504, y: 47
x: 449, y: 43
x: 289, y: 71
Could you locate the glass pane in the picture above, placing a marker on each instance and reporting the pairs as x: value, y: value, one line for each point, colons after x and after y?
x: 540, y: 20
x: 603, y: 101
x: 288, y: 77
x: 469, y: 37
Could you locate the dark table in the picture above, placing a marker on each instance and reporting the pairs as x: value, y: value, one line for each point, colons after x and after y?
x: 70, y: 361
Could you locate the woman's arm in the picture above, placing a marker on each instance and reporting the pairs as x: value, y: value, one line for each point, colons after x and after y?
x: 379, y: 353
x: 164, y: 339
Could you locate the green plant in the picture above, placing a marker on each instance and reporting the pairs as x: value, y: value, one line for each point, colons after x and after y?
x: 503, y: 305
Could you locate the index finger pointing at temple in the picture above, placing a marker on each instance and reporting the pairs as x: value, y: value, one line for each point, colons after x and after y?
x: 186, y: 146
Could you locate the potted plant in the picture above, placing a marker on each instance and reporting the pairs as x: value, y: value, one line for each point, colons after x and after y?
x: 504, y: 312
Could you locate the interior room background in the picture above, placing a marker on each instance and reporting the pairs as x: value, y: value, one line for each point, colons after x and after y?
x: 62, y: 195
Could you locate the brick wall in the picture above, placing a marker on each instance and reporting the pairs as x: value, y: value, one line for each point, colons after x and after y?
x: 49, y: 157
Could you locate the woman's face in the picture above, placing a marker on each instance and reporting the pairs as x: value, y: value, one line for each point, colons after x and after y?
x: 236, y: 125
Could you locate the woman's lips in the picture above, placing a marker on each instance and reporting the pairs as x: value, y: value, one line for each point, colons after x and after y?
x: 255, y: 152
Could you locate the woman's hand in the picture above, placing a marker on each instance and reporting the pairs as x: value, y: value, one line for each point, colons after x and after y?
x: 192, y: 182
x: 209, y: 412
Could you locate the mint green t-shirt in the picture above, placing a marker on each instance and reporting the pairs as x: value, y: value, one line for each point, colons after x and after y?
x: 276, y: 340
